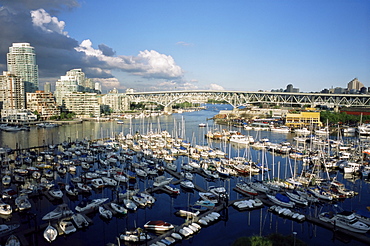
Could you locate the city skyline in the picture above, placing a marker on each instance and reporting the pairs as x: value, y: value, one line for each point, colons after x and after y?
x: 173, y: 45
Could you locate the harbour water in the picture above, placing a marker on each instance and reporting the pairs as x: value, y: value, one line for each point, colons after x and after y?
x: 233, y: 223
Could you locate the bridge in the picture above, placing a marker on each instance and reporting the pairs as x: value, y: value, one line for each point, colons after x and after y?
x: 244, y: 98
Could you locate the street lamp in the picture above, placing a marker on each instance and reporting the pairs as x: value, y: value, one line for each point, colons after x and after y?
x: 294, y: 236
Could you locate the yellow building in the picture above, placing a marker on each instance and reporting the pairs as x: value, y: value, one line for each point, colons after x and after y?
x: 303, y: 119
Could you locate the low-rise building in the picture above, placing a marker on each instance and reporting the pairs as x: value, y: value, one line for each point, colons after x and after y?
x: 82, y: 104
x: 17, y: 115
x: 303, y: 119
x: 44, y: 103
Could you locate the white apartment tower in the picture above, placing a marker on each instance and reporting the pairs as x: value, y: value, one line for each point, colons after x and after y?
x: 21, y: 61
x: 64, y: 86
x: 74, y: 81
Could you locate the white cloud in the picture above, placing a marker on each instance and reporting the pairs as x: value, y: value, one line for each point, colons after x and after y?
x: 158, y: 65
x: 108, y: 83
x: 47, y: 23
x: 216, y: 87
x: 148, y: 64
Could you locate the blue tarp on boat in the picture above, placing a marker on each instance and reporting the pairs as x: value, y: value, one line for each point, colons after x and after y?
x: 282, y: 198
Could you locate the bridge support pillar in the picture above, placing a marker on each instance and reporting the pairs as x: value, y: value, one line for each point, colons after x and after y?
x: 168, y: 110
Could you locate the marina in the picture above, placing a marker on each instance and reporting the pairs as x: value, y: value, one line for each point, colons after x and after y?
x: 135, y: 153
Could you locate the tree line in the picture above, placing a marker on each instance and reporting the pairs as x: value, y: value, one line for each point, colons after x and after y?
x: 342, y: 118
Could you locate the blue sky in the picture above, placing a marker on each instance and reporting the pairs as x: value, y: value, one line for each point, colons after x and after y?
x: 233, y: 45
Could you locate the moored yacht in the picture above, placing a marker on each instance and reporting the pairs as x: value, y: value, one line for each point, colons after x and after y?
x: 60, y: 211
x: 281, y: 200
x: 363, y: 129
x: 158, y: 225
x: 345, y: 220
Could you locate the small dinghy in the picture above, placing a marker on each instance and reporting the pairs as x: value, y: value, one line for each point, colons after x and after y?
x: 105, y: 213
x: 50, y: 233
x: 13, y: 241
x: 118, y: 208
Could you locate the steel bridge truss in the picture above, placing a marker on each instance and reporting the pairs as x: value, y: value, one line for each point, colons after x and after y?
x: 238, y: 99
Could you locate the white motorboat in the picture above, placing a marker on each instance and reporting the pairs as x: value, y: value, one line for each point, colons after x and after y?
x: 188, y: 214
x: 173, y: 189
x: 139, y: 200
x: 211, y: 174
x: 84, y: 187
x: 219, y: 191
x: 176, y: 236
x: 302, y: 131
x: 280, y: 129
x: 86, y: 205
x: 185, y: 231
x: 109, y: 181
x: 322, y: 131
x: 258, y: 186
x: 347, y: 129
x: 319, y: 193
x: 129, y: 204
x: 240, y: 139
x: 60, y: 211
x: 105, y: 213
x: 149, y: 198
x: 281, y: 200
x: 50, y: 233
x: 55, y: 192
x: 98, y: 183
x: 79, y: 220
x: 348, y: 220
x: 363, y: 129
x: 118, y: 208
x: 5, y: 208
x: 297, y: 198
x: 243, y: 204
x: 187, y: 184
x: 187, y: 175
x: 161, y: 180
x: 120, y: 178
x: 345, y: 220
x: 246, y: 188
x: 206, y: 204
x: 71, y: 190
x: 140, y: 172
x: 208, y: 196
x: 6, y: 180
x: 22, y: 202
x: 137, y: 235
x: 158, y: 225
x: 67, y: 226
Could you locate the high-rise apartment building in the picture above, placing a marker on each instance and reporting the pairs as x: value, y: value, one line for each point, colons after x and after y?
x: 97, y: 87
x: 47, y: 87
x: 13, y: 99
x: 21, y: 61
x: 12, y: 93
x: 74, y: 81
x: 354, y: 84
